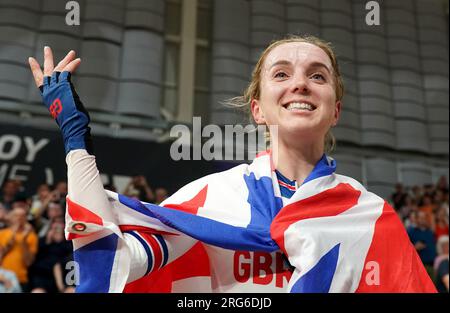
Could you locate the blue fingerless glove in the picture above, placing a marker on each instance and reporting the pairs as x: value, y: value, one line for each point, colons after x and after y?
x: 66, y: 108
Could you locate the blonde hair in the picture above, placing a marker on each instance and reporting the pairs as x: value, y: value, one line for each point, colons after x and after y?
x: 253, y: 90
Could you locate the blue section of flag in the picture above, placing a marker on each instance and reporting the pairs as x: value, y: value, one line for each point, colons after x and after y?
x: 264, y: 205
x: 255, y: 237
x: 322, y: 168
x: 319, y: 278
x: 135, y: 205
x: 95, y: 262
x: 251, y: 238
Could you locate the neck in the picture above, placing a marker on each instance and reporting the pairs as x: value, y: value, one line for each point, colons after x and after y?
x: 297, y: 162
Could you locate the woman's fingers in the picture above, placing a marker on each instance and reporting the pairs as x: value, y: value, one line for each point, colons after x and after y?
x: 48, y: 61
x: 72, y: 66
x: 64, y: 62
x: 38, y: 75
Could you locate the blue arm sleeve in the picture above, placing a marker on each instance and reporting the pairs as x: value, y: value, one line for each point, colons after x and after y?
x: 66, y: 108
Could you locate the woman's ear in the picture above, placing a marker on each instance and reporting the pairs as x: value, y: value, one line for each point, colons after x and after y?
x: 337, y: 112
x: 258, y: 114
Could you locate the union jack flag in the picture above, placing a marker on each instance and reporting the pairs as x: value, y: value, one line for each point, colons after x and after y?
x: 338, y: 236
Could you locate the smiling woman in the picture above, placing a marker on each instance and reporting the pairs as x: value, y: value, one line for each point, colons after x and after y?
x: 276, y: 60
x: 286, y: 221
x: 299, y: 94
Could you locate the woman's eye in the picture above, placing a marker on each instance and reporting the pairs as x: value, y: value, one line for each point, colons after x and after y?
x: 318, y: 76
x: 281, y: 75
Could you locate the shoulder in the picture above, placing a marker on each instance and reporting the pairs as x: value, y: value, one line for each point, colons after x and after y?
x: 359, y: 186
x: 349, y: 180
x: 355, y: 184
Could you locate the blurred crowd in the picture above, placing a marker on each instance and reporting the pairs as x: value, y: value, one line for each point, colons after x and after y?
x: 424, y: 210
x: 34, y: 254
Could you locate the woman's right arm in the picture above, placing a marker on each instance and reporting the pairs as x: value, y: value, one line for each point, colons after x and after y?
x: 85, y: 187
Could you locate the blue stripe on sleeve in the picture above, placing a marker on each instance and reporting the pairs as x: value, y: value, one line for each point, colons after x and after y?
x: 147, y: 250
x: 164, y: 248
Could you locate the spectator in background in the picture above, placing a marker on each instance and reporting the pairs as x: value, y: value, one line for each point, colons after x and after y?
x: 54, y: 213
x: 441, y: 225
x: 61, y: 189
x: 416, y: 194
x: 441, y: 265
x: 398, y: 197
x: 411, y: 221
x: 439, y: 199
x: 442, y: 184
x: 23, y: 202
x: 428, y: 208
x: 423, y: 240
x: 52, y: 249
x: 2, y: 217
x: 40, y: 200
x: 8, y: 281
x: 409, y: 206
x: 161, y: 194
x: 139, y: 188
x: 45, y: 211
x: 59, y: 193
x: 444, y: 201
x: 429, y: 190
x: 8, y: 195
x: 19, y: 245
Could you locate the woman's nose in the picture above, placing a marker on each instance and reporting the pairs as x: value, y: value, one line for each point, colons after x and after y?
x: 300, y: 85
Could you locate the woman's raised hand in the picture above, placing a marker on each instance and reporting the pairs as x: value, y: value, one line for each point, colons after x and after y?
x: 69, y: 64
x: 62, y: 101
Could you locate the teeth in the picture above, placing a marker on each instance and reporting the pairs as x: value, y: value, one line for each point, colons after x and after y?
x: 299, y: 105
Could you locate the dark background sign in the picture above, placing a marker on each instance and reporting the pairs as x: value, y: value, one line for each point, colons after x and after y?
x: 35, y: 156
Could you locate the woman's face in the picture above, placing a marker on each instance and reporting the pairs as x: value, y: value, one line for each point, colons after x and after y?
x: 58, y: 231
x: 297, y: 91
x: 43, y: 191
